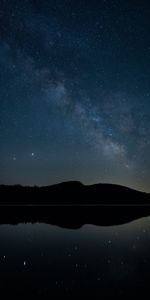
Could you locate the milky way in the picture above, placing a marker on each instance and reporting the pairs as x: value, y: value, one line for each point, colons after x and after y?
x: 75, y: 92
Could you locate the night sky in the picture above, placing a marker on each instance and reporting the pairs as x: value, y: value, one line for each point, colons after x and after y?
x: 75, y: 92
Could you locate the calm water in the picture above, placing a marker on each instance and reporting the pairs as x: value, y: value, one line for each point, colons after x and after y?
x: 38, y: 260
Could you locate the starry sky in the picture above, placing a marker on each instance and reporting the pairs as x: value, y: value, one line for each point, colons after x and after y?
x: 75, y: 92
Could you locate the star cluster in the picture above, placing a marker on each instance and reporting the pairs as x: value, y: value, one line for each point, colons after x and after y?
x: 75, y: 92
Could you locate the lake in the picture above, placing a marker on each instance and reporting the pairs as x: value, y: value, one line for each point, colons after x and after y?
x: 39, y: 260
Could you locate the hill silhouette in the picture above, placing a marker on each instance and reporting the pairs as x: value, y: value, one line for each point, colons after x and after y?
x: 72, y: 204
x: 72, y: 192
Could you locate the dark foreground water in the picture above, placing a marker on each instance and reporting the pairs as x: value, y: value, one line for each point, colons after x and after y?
x: 48, y: 262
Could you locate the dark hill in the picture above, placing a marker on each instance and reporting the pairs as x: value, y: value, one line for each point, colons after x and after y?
x: 72, y: 204
x: 72, y: 193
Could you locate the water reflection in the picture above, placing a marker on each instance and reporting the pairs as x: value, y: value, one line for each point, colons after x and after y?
x: 44, y: 260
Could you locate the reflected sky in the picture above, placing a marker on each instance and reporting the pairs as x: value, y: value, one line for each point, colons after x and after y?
x: 43, y: 260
